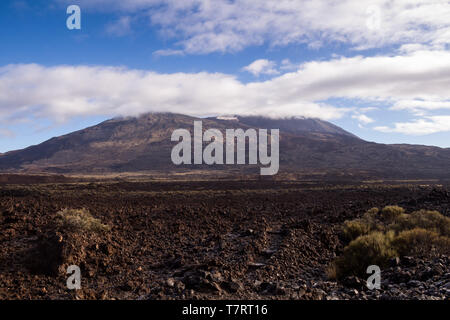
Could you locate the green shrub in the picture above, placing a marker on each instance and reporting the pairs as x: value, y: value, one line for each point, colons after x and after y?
x: 373, y: 218
x: 379, y: 236
x: 424, y: 219
x: 391, y: 213
x: 420, y: 242
x: 79, y: 220
x: 374, y: 248
x: 355, y: 228
x: 371, y: 214
x: 352, y: 229
x: 431, y: 220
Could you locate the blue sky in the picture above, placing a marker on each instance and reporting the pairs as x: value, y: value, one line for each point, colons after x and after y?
x: 380, y: 71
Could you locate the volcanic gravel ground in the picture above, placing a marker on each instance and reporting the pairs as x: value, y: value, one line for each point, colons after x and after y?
x: 199, y: 240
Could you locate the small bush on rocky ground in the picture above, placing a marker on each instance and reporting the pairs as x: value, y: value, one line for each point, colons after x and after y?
x: 373, y: 248
x: 428, y: 220
x: 391, y: 213
x: 355, y: 228
x: 79, y: 220
x: 66, y: 240
x: 420, y: 242
x: 381, y: 235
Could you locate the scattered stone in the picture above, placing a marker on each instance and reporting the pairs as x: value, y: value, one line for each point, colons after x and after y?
x: 256, y: 264
x: 170, y: 282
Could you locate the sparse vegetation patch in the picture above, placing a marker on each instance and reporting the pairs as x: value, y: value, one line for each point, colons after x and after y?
x: 79, y: 220
x: 383, y: 234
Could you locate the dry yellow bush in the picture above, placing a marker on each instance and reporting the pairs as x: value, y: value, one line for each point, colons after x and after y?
x: 378, y: 236
x: 79, y: 220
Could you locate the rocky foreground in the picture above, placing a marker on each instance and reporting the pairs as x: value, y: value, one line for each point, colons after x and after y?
x: 204, y: 240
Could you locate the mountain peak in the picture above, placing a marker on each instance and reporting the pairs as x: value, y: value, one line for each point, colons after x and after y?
x: 143, y: 143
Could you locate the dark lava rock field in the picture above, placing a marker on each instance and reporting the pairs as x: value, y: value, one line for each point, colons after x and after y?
x: 204, y: 240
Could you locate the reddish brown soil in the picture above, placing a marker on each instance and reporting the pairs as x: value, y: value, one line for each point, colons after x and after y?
x: 184, y: 240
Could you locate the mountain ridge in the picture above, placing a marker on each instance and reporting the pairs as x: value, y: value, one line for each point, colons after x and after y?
x: 137, y: 144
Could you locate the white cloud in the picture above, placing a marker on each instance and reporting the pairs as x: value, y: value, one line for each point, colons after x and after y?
x: 362, y: 118
x: 168, y: 52
x: 64, y: 91
x: 120, y: 27
x: 420, y: 106
x: 368, y: 109
x: 261, y: 66
x: 287, y: 65
x: 412, y: 47
x: 206, y: 26
x: 431, y: 124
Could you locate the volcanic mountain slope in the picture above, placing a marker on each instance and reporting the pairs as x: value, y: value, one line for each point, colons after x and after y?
x: 143, y: 143
x: 295, y: 125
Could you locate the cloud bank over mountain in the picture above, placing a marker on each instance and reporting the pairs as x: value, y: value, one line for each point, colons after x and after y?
x: 417, y: 82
